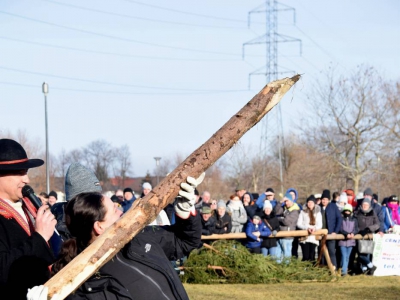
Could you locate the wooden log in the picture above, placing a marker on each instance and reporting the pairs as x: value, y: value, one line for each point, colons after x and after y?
x: 280, y: 234
x: 146, y: 209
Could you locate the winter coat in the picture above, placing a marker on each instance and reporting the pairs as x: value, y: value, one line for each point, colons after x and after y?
x: 142, y: 269
x: 333, y: 217
x: 367, y: 220
x: 303, y: 222
x: 127, y: 204
x: 272, y: 223
x: 251, y: 238
x: 208, y: 228
x: 222, y: 222
x: 238, y: 215
x: 349, y: 225
x: 24, y: 259
x: 288, y: 220
x: 389, y: 222
x: 379, y: 211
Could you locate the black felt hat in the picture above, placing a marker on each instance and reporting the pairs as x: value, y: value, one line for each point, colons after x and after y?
x: 13, y: 157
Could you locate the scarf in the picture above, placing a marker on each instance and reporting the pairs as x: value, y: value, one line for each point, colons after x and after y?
x: 235, y: 205
x: 9, y: 212
x: 395, y: 212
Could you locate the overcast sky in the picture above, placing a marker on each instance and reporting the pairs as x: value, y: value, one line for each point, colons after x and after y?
x: 163, y: 76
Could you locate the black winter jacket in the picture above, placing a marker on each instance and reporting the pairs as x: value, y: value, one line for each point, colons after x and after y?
x: 142, y: 269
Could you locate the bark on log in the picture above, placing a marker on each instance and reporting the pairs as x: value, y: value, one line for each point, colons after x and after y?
x: 280, y: 234
x: 146, y: 209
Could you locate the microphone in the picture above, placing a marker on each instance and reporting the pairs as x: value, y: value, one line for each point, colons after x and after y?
x: 28, y: 192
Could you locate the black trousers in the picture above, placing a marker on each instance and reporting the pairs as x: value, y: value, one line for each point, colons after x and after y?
x: 331, y: 245
x: 256, y: 250
x: 308, y: 250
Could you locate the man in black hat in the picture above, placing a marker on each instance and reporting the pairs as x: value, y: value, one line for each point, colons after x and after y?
x: 24, y: 232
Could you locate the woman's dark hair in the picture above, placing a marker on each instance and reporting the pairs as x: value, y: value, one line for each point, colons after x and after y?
x: 81, y: 212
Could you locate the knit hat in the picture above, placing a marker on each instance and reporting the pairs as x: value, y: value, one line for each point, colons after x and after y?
x: 326, y: 194
x: 350, y: 192
x: 53, y: 193
x: 221, y: 203
x: 80, y: 179
x: 317, y: 196
x: 360, y: 196
x: 366, y: 200
x: 267, y: 204
x: 288, y: 196
x: 255, y: 217
x: 343, y: 198
x: 393, y: 198
x: 206, y: 209
x: 146, y: 185
x: 240, y: 188
x: 348, y: 207
x: 128, y: 189
x: 269, y: 191
x: 311, y: 198
x: 368, y: 192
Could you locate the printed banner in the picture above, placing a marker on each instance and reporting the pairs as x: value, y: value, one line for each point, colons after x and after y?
x: 386, y: 255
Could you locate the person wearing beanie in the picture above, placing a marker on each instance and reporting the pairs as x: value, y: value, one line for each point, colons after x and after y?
x: 52, y: 198
x: 349, y: 228
x: 146, y: 189
x: 392, y: 213
x: 310, y: 219
x: 269, y: 219
x: 238, y: 214
x: 331, y: 220
x: 289, y: 214
x: 367, y: 222
x: 256, y: 232
x: 142, y: 269
x: 78, y: 179
x: 129, y: 198
x: 342, y: 201
x: 380, y: 213
x: 223, y: 222
x: 268, y: 195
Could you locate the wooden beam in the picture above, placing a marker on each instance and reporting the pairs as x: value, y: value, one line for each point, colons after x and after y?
x: 146, y: 209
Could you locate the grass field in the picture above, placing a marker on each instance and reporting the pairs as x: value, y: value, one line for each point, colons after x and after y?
x: 349, y: 287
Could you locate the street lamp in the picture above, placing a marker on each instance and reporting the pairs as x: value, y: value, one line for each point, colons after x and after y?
x: 157, y: 167
x: 45, y: 90
x: 379, y: 176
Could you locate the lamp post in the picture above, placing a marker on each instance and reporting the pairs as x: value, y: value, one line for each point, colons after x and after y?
x: 157, y: 167
x: 379, y: 176
x: 45, y: 90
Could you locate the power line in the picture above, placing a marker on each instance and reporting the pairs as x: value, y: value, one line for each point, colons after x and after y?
x: 138, y: 18
x: 191, y: 13
x: 118, y: 92
x: 112, y: 83
x: 119, y: 38
x: 113, y: 53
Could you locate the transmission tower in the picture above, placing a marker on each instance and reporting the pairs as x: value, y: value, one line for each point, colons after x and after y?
x: 272, y: 125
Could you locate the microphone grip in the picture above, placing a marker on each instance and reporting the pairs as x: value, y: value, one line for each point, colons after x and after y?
x: 35, y: 201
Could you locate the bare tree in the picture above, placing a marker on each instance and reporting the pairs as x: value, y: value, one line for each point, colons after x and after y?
x: 99, y: 156
x: 345, y: 121
x: 122, y: 164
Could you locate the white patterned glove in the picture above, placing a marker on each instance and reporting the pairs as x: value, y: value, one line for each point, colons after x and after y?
x: 40, y: 292
x: 184, y: 203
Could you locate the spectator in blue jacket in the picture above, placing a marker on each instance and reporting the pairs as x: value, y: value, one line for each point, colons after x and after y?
x: 392, y: 212
x: 255, y: 232
x: 331, y: 220
x: 129, y: 198
x: 268, y: 195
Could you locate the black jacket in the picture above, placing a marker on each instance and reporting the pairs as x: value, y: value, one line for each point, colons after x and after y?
x: 272, y: 223
x: 209, y: 226
x: 142, y: 269
x: 24, y: 259
x: 221, y: 223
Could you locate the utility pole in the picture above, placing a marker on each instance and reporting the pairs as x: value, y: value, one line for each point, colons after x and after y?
x: 45, y: 90
x: 272, y: 125
x: 158, y: 168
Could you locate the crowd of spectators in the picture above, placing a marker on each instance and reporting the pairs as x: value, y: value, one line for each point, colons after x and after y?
x: 261, y: 217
